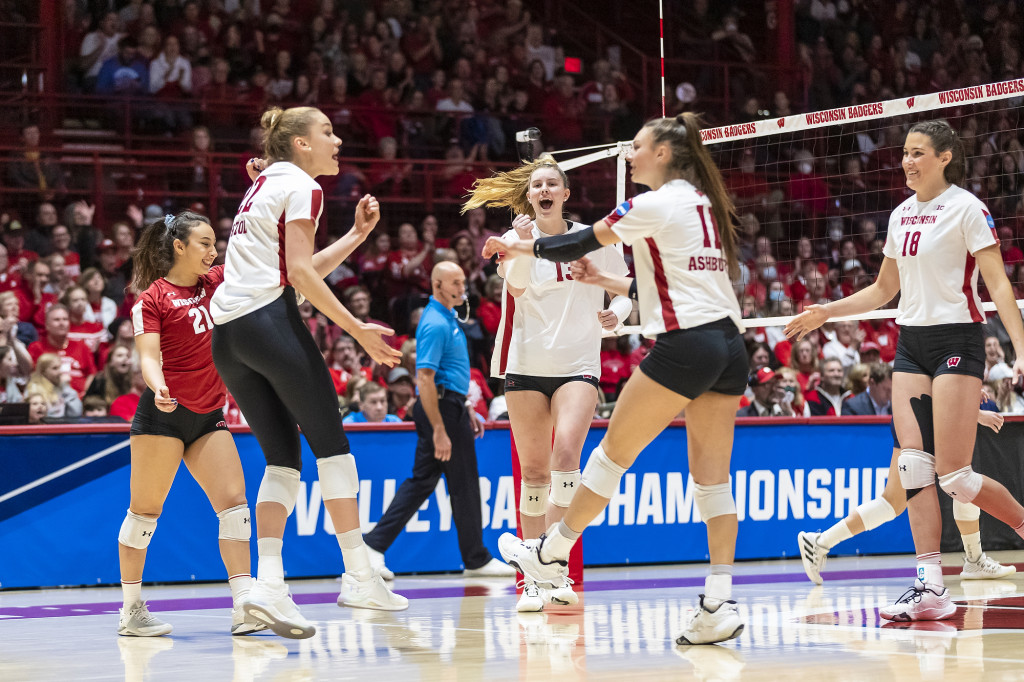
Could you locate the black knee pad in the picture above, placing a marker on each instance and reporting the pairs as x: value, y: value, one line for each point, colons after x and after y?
x: 922, y: 408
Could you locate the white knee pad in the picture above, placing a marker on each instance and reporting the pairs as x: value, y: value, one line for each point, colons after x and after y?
x: 917, y: 469
x: 533, y: 499
x: 965, y: 511
x: 136, y: 530
x: 563, y: 487
x: 876, y: 512
x: 714, y: 500
x: 962, y: 484
x: 601, y: 474
x: 281, y: 485
x: 235, y: 524
x: 338, y: 477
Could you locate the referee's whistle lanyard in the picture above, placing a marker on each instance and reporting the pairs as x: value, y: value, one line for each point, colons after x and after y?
x: 462, y: 317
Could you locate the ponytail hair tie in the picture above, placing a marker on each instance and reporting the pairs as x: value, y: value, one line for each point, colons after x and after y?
x: 168, y: 220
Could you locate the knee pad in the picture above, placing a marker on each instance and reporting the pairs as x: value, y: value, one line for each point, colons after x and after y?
x: 965, y: 511
x: 963, y: 484
x: 533, y: 499
x: 338, y: 477
x: 917, y: 470
x: 281, y: 485
x: 876, y: 512
x: 601, y: 474
x: 136, y: 530
x: 235, y: 524
x: 714, y: 500
x: 563, y: 487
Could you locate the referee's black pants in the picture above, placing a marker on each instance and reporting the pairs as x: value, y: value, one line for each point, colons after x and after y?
x: 460, y: 472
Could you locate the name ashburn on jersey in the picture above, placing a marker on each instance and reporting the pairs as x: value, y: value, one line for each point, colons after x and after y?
x: 712, y: 263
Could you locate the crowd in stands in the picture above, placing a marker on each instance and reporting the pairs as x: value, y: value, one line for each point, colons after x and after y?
x: 812, y: 224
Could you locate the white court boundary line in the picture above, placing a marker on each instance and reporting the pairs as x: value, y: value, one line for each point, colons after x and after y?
x: 65, y: 470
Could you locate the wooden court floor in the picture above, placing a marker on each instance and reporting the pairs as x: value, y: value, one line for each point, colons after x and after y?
x: 461, y: 629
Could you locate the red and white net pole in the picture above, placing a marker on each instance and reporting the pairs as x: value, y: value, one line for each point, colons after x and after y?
x: 661, y: 32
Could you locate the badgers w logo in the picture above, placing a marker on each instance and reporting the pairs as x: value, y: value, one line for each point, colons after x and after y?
x: 953, y: 361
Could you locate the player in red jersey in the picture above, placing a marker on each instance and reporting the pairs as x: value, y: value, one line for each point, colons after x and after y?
x: 180, y: 415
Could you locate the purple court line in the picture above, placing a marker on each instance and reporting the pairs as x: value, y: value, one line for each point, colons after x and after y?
x: 204, y: 603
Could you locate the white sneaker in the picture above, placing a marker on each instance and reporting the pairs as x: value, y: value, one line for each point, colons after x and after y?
x: 244, y: 624
x: 986, y: 568
x: 524, y: 556
x: 563, y: 594
x: 377, y: 564
x: 270, y: 603
x: 137, y: 621
x: 369, y: 594
x: 812, y: 554
x: 531, y: 600
x: 709, y: 626
x: 492, y: 569
x: 920, y: 602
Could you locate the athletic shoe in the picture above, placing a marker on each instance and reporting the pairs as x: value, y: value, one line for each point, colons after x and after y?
x: 812, y: 554
x: 921, y: 602
x: 524, y: 556
x: 708, y: 626
x: 369, y: 594
x: 563, y: 594
x: 377, y: 564
x: 137, y: 621
x: 986, y: 568
x: 492, y: 569
x: 531, y: 600
x: 270, y: 603
x: 243, y: 624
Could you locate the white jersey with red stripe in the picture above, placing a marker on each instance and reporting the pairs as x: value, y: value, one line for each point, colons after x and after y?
x: 255, y: 269
x: 934, y: 243
x: 554, y: 329
x: 681, y: 273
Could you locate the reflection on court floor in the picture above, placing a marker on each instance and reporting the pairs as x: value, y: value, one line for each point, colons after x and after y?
x: 458, y: 629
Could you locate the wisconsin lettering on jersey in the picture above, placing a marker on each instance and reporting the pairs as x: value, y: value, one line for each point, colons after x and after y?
x: 181, y: 302
x: 711, y: 263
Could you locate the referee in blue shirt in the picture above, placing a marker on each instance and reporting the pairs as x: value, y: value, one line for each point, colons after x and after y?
x: 445, y: 426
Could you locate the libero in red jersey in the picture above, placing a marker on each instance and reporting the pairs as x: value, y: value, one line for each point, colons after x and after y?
x: 180, y: 415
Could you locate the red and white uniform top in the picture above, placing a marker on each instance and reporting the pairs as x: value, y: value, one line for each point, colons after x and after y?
x: 255, y: 270
x: 554, y: 330
x: 934, y: 243
x: 181, y: 316
x: 682, y: 275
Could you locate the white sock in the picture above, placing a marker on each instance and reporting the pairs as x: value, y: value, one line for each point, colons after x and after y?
x: 240, y: 585
x: 972, y: 547
x: 559, y: 542
x: 270, y: 566
x: 132, y: 592
x: 353, y: 552
x: 718, y: 585
x: 834, y: 535
x: 929, y: 569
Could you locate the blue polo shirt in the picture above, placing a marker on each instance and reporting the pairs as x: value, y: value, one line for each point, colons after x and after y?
x: 360, y: 418
x: 441, y: 346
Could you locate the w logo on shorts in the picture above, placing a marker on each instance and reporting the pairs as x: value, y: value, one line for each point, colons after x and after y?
x: 953, y: 361
x: 222, y: 425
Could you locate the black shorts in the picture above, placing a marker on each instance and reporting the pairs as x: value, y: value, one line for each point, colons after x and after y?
x: 941, y: 349
x: 711, y: 357
x: 183, y: 424
x: 546, y: 385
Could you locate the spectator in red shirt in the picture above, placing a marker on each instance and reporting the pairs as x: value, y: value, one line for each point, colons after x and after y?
x: 563, y: 113
x: 489, y: 311
x: 126, y: 405
x: 804, y: 359
x: 17, y: 256
x: 60, y: 240
x: 92, y: 334
x: 805, y: 188
x: 401, y: 390
x: 614, y: 365
x: 1007, y: 246
x: 409, y: 266
x: 34, y: 301
x: 76, y: 358
x: 345, y: 363
x: 884, y: 333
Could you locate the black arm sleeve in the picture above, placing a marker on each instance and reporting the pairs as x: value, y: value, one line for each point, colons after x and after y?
x: 632, y: 290
x: 566, y: 247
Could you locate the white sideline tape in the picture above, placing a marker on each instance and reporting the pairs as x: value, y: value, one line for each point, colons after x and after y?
x: 757, y: 322
x: 60, y: 472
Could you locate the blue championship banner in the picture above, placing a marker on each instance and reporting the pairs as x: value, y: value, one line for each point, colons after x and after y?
x: 64, y: 492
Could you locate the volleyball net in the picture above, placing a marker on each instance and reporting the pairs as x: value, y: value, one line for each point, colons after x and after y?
x: 814, y: 191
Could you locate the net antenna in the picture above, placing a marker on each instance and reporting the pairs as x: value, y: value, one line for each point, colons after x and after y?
x: 604, y: 151
x: 525, y: 140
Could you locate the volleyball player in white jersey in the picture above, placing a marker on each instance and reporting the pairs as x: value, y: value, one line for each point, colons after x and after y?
x: 548, y: 351
x: 275, y: 371
x: 938, y: 241
x: 814, y: 547
x: 684, y: 247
